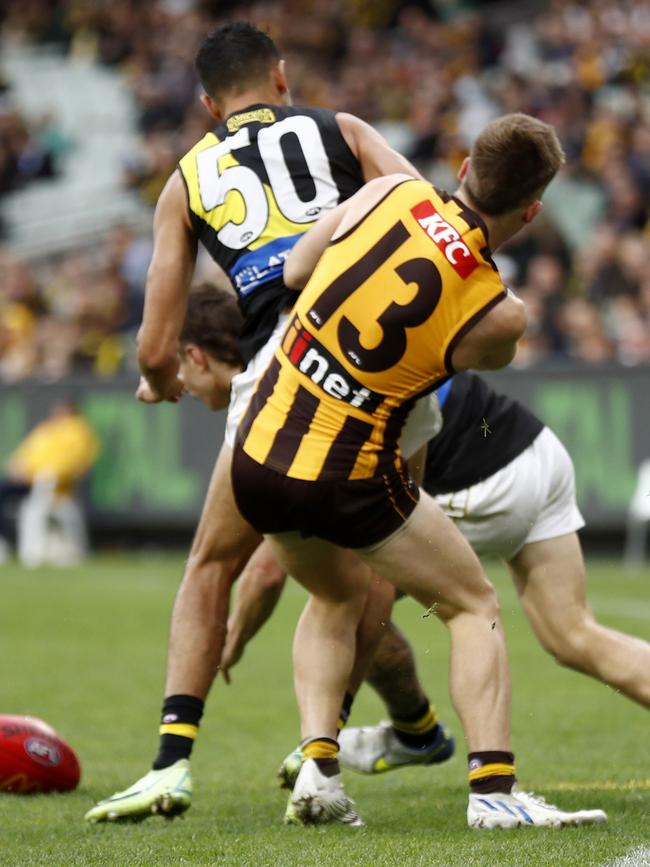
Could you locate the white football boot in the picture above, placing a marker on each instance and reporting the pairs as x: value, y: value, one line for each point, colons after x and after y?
x: 523, y: 809
x: 167, y: 792
x: 376, y: 749
x: 318, y: 799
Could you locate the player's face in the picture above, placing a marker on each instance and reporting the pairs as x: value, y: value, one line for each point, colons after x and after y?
x: 206, y: 378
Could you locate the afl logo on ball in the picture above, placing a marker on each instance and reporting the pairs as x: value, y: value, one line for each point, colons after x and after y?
x: 43, y: 752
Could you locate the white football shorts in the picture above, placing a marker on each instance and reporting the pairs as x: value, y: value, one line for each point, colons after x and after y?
x: 531, y: 499
x: 423, y: 423
x: 243, y: 384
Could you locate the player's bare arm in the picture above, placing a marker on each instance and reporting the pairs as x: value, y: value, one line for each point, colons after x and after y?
x: 305, y: 255
x: 492, y: 343
x: 168, y: 282
x: 258, y: 591
x: 376, y: 156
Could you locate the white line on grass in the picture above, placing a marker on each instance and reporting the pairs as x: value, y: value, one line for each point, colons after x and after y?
x: 637, y: 609
x: 638, y: 857
x: 604, y: 785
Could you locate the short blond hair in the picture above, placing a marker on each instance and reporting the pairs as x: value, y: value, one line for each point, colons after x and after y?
x: 511, y: 162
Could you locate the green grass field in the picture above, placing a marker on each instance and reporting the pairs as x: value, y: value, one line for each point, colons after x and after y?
x: 85, y: 650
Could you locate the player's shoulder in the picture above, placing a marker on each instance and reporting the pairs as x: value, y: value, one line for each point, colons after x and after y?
x: 209, y: 139
x: 375, y: 191
x: 317, y: 113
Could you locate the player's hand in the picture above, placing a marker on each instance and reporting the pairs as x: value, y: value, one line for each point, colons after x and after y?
x: 232, y: 653
x: 146, y: 393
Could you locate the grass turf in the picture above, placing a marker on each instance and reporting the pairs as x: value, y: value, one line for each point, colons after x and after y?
x: 85, y: 650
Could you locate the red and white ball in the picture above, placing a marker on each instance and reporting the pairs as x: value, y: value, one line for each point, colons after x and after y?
x: 34, y: 758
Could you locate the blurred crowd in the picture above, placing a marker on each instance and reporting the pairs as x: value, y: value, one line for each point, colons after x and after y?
x: 429, y: 74
x: 75, y: 312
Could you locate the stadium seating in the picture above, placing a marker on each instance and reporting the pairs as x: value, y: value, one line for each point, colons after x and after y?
x: 93, y: 107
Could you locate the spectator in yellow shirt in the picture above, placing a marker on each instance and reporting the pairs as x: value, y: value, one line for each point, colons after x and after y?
x: 63, y: 446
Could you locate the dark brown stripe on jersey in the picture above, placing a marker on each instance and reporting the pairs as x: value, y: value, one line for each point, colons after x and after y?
x: 331, y: 298
x: 458, y: 336
x: 288, y: 438
x: 341, y: 458
x: 352, y: 229
x: 264, y: 391
x: 392, y: 431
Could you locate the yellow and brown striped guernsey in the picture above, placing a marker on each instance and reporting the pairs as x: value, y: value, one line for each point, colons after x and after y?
x: 373, y: 329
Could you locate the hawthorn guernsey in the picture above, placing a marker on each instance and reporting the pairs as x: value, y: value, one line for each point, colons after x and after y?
x: 373, y: 330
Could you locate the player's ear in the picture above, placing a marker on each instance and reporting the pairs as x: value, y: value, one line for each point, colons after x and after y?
x: 532, y: 211
x: 464, y: 168
x: 280, y: 78
x: 196, y: 355
x: 211, y: 106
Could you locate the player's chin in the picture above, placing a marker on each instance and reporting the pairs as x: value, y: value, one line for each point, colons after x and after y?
x: 215, y: 401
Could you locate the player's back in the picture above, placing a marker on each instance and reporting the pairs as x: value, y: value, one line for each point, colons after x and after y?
x: 255, y: 184
x: 374, y: 328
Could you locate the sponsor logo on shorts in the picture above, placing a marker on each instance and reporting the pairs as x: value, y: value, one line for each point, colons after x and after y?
x: 446, y: 238
x: 43, y: 752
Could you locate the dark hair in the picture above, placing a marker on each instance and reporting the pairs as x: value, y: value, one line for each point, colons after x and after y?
x: 234, y: 57
x: 213, y: 321
x: 511, y: 162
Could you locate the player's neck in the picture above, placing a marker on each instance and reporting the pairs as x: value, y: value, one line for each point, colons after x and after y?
x: 500, y: 229
x: 253, y: 96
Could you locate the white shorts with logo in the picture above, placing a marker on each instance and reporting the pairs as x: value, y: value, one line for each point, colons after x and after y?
x: 531, y: 499
x: 423, y: 423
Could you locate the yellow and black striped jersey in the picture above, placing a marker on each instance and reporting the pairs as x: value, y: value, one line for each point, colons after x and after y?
x: 254, y: 185
x: 374, y: 329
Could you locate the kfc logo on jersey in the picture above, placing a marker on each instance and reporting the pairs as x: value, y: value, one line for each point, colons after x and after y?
x: 446, y: 238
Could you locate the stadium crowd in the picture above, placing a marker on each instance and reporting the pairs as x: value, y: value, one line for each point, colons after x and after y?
x: 428, y: 80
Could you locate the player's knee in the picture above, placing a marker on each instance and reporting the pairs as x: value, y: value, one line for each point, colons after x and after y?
x: 266, y: 572
x: 484, y: 602
x: 394, y: 653
x: 570, y: 643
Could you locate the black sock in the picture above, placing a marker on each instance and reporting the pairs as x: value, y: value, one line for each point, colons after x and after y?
x: 417, y: 731
x: 179, y: 726
x: 491, y: 771
x: 346, y: 707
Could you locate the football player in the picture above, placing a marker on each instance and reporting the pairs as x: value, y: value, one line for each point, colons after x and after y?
x: 401, y: 293
x: 247, y: 191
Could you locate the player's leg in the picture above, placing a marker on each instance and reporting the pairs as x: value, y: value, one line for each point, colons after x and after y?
x: 551, y: 582
x: 392, y: 674
x: 414, y: 735
x: 431, y: 561
x: 324, y: 651
x: 375, y: 621
x: 324, y: 643
x: 385, y: 659
x: 222, y: 545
